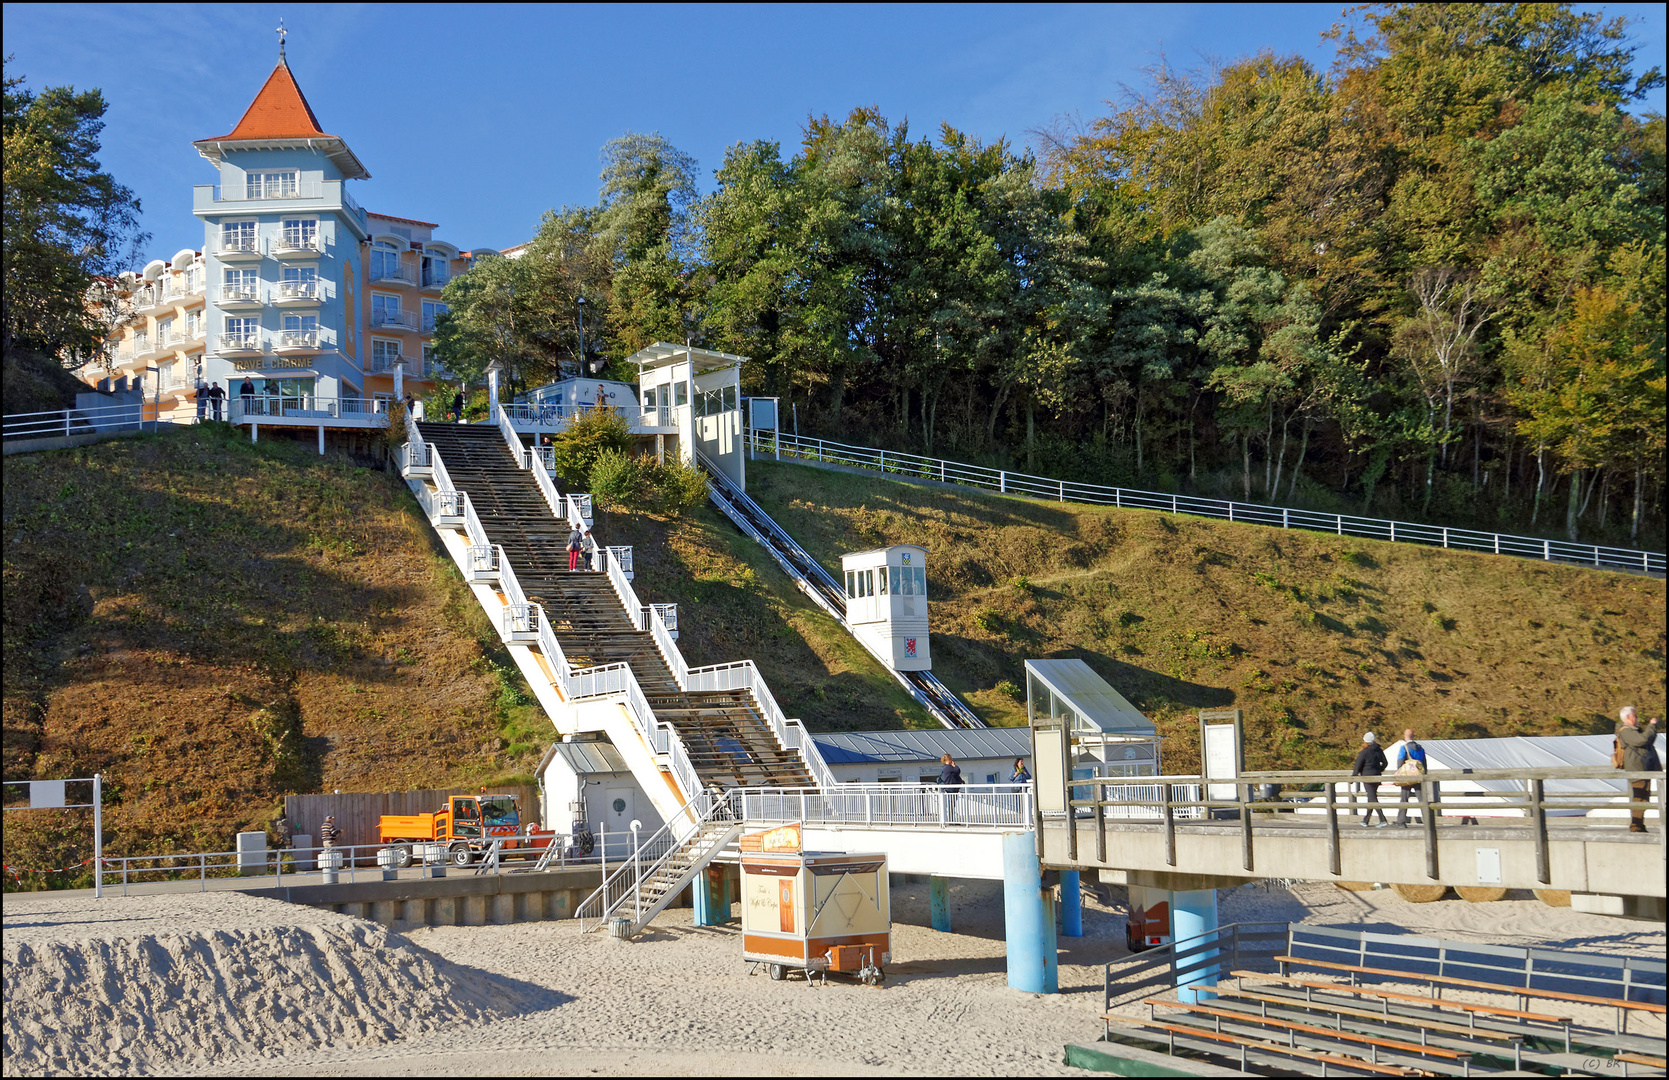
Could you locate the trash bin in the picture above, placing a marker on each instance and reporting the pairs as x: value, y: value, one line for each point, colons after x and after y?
x: 620, y: 928
x: 330, y: 861
x: 434, y: 860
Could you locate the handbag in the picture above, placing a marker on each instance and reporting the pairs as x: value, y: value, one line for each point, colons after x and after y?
x: 1616, y: 753
x: 1411, y: 770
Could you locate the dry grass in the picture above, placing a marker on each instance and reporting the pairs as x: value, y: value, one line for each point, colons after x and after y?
x: 213, y: 625
x: 1317, y: 638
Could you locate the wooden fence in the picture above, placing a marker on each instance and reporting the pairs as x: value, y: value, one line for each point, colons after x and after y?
x: 357, y: 813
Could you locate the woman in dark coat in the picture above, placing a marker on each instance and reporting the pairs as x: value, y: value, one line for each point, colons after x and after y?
x: 1370, y: 761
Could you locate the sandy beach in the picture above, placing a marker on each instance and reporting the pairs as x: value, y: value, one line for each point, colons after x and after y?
x: 228, y: 984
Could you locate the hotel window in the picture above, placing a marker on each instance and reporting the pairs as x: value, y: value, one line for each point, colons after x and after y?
x: 383, y: 354
x: 239, y: 285
x: 301, y: 329
x: 165, y: 330
x: 435, y: 270
x: 240, y: 333
x: 385, y: 261
x: 300, y: 281
x: 430, y: 311
x: 193, y: 323
x: 238, y: 236
x: 270, y: 185
x: 385, y: 310
x: 301, y: 234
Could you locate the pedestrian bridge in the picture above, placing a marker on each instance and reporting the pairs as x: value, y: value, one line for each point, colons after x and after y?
x: 1274, y: 825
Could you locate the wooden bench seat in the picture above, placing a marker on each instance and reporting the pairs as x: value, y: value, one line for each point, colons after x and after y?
x: 1424, y: 1025
x: 1469, y: 1008
x: 1136, y: 1027
x: 1522, y: 993
x: 1295, y: 1026
x: 1642, y: 1059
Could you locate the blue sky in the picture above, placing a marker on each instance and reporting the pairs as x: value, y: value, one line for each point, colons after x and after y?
x: 483, y: 117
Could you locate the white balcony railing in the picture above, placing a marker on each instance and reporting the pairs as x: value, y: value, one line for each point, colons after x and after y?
x: 394, y: 320
x: 239, y: 294
x: 298, y: 339
x: 239, y: 245
x: 240, y: 342
x: 261, y: 407
x: 398, y: 274
x: 258, y: 192
x: 385, y: 362
x: 298, y: 290
x: 436, y: 281
x: 294, y: 241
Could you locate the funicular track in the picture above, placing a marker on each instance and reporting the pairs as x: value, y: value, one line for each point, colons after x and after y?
x: 816, y: 582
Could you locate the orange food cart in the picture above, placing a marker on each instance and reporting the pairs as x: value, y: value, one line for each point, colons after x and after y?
x: 814, y: 910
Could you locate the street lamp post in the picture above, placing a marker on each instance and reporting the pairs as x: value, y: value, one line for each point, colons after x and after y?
x: 581, y: 304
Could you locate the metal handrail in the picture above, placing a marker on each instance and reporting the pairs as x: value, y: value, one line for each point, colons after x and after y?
x: 627, y: 596
x: 1174, y: 958
x: 1527, y: 806
x: 1043, y: 487
x: 971, y: 807
x: 79, y: 421
x: 791, y: 734
x: 579, y: 511
x: 684, y: 827
x: 663, y: 641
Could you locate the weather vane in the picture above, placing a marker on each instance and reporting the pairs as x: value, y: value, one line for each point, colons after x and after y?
x: 281, y: 33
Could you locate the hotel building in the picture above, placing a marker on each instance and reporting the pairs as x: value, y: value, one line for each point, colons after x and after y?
x: 297, y: 289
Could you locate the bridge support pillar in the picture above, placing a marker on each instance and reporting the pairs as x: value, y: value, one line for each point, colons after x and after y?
x: 1193, y: 913
x: 938, y: 893
x: 708, y: 891
x: 1072, y: 905
x: 1028, y: 918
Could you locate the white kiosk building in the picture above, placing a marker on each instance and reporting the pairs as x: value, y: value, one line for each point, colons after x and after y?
x: 886, y: 604
x: 700, y: 393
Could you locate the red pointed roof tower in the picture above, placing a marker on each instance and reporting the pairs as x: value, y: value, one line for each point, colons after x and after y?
x: 280, y: 118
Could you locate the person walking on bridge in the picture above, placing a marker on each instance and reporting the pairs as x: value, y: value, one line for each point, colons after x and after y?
x: 1370, y: 762
x: 1409, y: 764
x: 1639, y: 755
x: 950, y: 782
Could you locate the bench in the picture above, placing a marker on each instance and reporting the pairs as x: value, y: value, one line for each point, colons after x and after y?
x: 1292, y: 1027
x: 1140, y: 1029
x: 1471, y: 1010
x: 1424, y: 1023
x: 1522, y: 993
x: 1630, y: 1058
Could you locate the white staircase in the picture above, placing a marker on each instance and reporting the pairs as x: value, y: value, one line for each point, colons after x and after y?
x: 645, y: 885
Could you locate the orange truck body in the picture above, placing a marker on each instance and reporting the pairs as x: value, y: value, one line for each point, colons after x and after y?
x: 475, y: 820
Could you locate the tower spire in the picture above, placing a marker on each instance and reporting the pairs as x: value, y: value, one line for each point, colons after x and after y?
x: 281, y: 34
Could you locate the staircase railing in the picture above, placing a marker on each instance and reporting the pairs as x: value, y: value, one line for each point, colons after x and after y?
x: 744, y: 674
x: 511, y: 439
x: 623, y: 589
x: 438, y: 473
x: 579, y: 511
x: 669, y: 647
x: 418, y: 455
x: 685, y: 826
x: 610, y: 679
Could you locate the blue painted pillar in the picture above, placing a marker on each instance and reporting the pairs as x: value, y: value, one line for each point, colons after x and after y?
x: 1194, y: 913
x: 710, y: 909
x: 938, y: 893
x: 1028, y: 917
x: 1072, y: 905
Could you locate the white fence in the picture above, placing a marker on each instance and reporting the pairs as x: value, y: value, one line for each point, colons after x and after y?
x: 56, y: 422
x: 975, y: 806
x: 1043, y: 487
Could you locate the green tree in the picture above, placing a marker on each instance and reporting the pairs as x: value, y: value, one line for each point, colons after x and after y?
x: 645, y: 226
x: 66, y: 221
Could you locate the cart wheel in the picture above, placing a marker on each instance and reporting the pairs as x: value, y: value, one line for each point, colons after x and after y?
x: 778, y: 972
x: 402, y: 857
x: 461, y: 855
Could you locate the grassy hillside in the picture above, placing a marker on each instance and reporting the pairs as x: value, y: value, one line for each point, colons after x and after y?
x: 213, y: 624
x: 735, y: 604
x: 1317, y: 638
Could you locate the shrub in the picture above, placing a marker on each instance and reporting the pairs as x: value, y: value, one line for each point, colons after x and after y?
x: 679, y: 486
x: 618, y: 480
x: 587, y: 438
x: 1007, y: 686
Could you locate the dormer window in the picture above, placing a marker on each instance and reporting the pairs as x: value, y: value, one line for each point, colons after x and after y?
x: 271, y: 185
